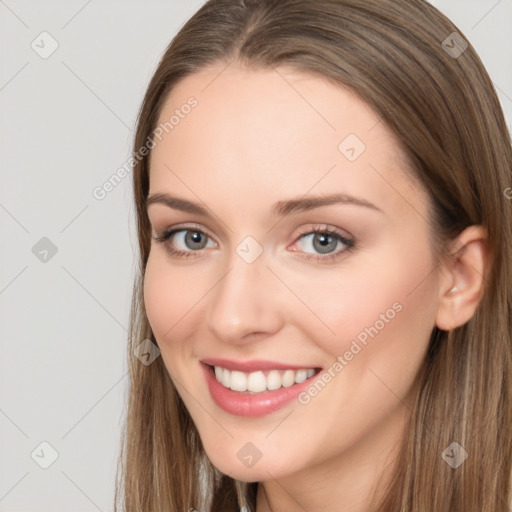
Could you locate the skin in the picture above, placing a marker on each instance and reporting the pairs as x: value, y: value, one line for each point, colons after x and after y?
x: 261, y: 136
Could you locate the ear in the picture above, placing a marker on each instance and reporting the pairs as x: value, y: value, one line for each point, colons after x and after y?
x: 462, y: 284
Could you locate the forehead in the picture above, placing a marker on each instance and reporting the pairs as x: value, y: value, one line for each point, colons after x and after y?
x: 270, y: 130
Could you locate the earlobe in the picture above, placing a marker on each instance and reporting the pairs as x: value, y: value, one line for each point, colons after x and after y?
x: 463, y: 282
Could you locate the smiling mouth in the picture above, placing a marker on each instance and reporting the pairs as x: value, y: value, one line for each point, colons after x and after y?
x: 262, y: 380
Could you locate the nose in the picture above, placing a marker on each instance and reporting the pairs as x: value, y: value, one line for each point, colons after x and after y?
x: 247, y: 302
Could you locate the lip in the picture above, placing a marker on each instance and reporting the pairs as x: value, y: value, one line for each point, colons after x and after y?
x: 257, y: 405
x: 253, y: 365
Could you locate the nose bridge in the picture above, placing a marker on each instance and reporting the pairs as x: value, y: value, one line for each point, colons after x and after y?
x: 244, y: 301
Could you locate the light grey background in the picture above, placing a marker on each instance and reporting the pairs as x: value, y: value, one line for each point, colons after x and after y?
x: 66, y: 125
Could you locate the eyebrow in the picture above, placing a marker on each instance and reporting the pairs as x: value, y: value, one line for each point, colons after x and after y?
x: 280, y: 208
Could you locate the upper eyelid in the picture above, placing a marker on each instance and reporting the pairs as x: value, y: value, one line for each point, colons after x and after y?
x: 190, y: 227
x: 319, y: 227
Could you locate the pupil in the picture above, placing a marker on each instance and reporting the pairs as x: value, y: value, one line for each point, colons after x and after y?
x: 322, y: 243
x: 193, y: 239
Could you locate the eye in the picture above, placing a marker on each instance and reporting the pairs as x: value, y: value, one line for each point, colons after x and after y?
x: 325, y: 241
x: 188, y: 240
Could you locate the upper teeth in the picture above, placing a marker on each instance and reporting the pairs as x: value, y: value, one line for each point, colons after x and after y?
x: 260, y: 381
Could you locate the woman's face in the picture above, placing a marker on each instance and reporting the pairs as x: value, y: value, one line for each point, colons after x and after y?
x: 259, y: 292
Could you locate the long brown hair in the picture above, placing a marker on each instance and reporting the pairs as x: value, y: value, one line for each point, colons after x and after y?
x: 401, y: 57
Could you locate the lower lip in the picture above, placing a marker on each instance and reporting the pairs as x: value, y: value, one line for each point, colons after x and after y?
x: 243, y: 404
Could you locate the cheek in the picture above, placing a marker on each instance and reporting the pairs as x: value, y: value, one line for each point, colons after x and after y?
x: 388, y: 303
x: 382, y: 321
x: 156, y: 301
x: 174, y: 299
x: 166, y: 297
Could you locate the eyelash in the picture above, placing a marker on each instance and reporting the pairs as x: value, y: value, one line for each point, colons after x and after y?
x: 327, y: 258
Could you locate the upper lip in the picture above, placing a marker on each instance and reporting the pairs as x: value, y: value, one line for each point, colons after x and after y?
x: 253, y: 365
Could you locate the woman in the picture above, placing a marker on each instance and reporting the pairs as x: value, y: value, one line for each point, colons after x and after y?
x: 324, y: 232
